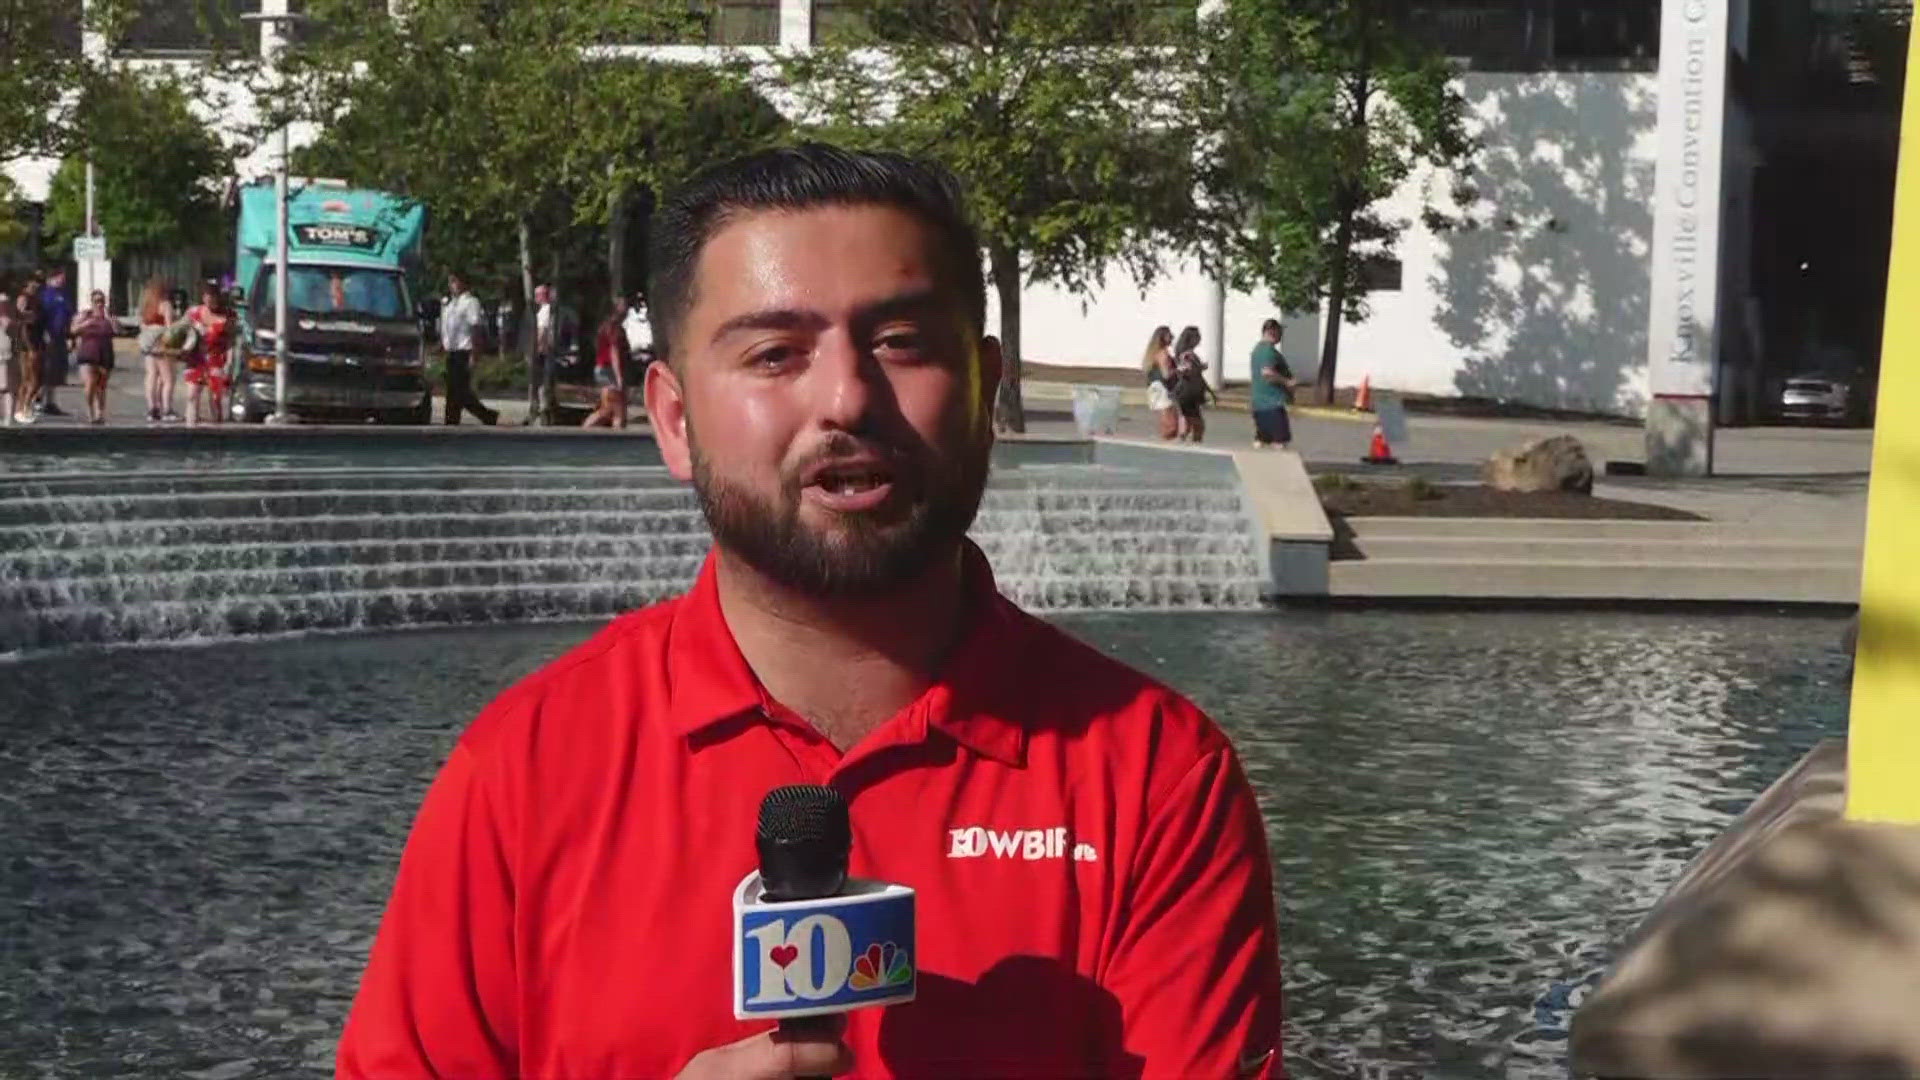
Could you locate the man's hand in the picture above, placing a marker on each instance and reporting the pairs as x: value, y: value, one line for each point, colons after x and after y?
x: 816, y: 1050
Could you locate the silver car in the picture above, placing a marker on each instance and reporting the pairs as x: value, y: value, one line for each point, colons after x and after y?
x: 1828, y: 398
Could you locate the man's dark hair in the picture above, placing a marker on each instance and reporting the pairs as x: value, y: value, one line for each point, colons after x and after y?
x: 797, y: 178
x: 1271, y: 326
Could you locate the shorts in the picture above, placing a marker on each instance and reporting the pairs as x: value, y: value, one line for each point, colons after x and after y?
x: 603, y: 378
x: 213, y: 376
x: 102, y: 363
x: 1157, y: 396
x: 1272, y: 425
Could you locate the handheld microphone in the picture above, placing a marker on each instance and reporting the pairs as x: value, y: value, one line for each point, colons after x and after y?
x: 808, y: 940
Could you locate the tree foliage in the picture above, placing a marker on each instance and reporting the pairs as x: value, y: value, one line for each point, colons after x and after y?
x: 42, y: 71
x: 1318, y: 111
x: 498, y: 112
x: 158, y: 169
x: 1050, y: 112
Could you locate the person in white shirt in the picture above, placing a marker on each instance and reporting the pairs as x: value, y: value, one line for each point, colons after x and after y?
x: 460, y: 318
x: 639, y: 332
x: 540, y: 359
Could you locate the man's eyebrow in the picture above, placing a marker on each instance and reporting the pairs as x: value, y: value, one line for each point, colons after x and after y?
x: 770, y: 319
x: 903, y: 303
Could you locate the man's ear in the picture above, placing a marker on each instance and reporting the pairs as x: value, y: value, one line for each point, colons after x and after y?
x: 666, y: 401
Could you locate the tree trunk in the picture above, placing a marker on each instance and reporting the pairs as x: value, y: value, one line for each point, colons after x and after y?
x: 1009, y: 412
x: 1336, y: 299
x: 1348, y: 203
x: 525, y: 326
x: 617, y: 241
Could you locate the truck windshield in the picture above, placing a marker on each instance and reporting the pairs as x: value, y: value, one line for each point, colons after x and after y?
x: 338, y: 290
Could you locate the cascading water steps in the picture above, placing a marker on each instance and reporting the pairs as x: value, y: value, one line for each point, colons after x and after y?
x: 101, y: 559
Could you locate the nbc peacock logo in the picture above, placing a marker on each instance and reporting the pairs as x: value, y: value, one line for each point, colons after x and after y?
x: 883, y: 964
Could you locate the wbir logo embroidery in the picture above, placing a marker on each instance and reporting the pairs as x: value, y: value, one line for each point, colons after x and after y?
x: 976, y: 842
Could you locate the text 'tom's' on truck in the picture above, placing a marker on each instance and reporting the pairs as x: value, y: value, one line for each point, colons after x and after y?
x: 354, y: 347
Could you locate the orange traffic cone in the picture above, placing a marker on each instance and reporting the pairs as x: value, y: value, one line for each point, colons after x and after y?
x: 1379, y: 453
x: 1363, y: 401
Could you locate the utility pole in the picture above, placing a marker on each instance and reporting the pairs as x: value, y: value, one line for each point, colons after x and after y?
x: 276, y: 22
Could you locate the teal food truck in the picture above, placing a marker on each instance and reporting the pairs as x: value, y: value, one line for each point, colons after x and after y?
x: 355, y: 348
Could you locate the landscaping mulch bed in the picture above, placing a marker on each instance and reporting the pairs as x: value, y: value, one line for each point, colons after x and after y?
x: 1363, y: 499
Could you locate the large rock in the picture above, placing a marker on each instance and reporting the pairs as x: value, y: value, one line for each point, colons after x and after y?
x: 1556, y: 464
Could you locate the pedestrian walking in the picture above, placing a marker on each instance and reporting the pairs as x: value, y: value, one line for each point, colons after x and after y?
x: 1272, y: 389
x: 12, y: 349
x: 460, y: 323
x: 1157, y: 365
x: 208, y: 370
x: 554, y: 329
x: 94, y: 330
x: 157, y: 313
x: 33, y: 339
x: 612, y: 359
x: 1190, y: 389
x: 58, y: 315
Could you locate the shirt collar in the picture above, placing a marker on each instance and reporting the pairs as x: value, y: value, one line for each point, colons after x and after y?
x: 711, y: 683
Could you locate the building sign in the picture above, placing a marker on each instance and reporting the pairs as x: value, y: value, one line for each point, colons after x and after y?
x: 1683, y: 340
x: 326, y: 234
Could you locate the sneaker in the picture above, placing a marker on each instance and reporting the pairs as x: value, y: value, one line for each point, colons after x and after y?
x: 170, y: 417
x: 53, y: 410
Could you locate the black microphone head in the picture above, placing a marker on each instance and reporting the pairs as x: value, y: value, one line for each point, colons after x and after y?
x: 803, y: 838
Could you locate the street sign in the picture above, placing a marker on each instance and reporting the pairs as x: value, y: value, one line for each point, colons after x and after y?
x: 86, y: 248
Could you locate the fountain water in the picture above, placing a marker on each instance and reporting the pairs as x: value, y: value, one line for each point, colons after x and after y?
x: 115, y: 558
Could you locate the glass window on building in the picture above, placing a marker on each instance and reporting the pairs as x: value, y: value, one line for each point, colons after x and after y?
x: 1153, y: 22
x: 742, y: 22
x: 187, y: 26
x: 1489, y: 35
x: 1535, y: 35
x: 1623, y: 31
x: 65, y: 20
x: 309, y: 31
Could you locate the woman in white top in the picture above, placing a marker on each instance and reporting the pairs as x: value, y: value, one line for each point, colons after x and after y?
x: 1157, y: 365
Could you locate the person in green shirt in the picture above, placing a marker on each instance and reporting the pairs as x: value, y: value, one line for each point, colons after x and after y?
x: 1272, y: 389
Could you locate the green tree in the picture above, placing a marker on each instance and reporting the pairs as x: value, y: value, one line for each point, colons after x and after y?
x: 13, y: 231
x: 157, y: 168
x: 1317, y: 110
x: 42, y: 70
x: 1050, y: 112
x: 514, y: 121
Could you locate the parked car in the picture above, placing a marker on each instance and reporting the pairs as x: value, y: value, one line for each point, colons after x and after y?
x: 1826, y: 398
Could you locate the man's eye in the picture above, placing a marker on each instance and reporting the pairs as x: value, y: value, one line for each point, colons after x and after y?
x: 900, y: 342
x: 775, y: 356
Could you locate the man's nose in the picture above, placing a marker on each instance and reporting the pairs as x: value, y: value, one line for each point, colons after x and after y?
x: 846, y: 382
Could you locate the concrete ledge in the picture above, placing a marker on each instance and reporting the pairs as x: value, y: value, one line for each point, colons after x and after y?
x: 1288, y: 516
x: 1426, y: 577
x: 1789, y: 949
x: 1155, y: 456
x: 1016, y: 450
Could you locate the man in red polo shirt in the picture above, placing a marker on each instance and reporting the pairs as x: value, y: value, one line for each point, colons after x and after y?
x: 1095, y: 897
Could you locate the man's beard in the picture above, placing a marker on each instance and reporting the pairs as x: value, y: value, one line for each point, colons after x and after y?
x: 861, y: 555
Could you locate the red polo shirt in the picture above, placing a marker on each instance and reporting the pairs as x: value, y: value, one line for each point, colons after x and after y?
x: 1094, y: 891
